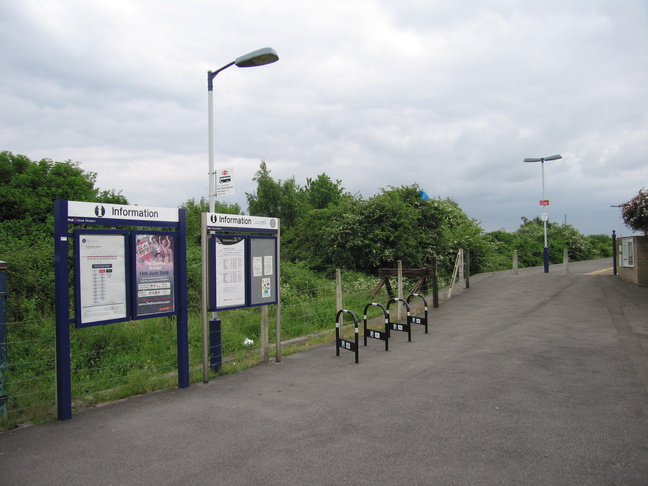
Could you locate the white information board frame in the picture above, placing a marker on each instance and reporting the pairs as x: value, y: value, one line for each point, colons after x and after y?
x: 102, y: 287
x: 229, y: 272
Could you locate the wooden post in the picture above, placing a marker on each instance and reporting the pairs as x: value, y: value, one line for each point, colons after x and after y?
x: 338, y: 289
x: 462, y: 274
x: 515, y: 262
x: 278, y: 305
x: 565, y: 260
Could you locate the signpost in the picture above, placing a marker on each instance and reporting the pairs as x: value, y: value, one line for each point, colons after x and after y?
x: 119, y: 275
x: 240, y: 268
x: 224, y: 183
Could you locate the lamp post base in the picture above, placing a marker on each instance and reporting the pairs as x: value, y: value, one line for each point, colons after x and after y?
x: 546, y: 260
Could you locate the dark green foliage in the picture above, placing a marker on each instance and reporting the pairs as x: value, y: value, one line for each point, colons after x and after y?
x: 196, y: 208
x: 29, y: 190
x: 528, y: 240
x: 323, y: 192
x: 278, y: 199
x: 30, y: 276
x: 601, y: 245
x: 396, y: 224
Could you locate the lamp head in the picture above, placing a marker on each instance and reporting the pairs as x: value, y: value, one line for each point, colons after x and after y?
x: 259, y: 57
x: 542, y: 159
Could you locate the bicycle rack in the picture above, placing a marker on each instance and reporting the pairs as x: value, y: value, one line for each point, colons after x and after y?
x: 405, y: 326
x: 420, y: 318
x: 373, y: 333
x: 345, y: 343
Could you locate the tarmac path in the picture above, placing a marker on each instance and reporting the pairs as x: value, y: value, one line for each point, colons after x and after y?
x: 527, y: 379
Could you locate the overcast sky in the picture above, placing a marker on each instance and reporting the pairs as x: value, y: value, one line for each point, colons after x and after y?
x: 449, y: 95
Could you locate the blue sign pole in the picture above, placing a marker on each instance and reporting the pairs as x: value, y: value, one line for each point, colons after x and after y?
x: 62, y: 307
x: 183, y: 312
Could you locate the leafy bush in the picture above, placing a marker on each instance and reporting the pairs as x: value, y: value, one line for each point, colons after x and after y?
x: 635, y: 212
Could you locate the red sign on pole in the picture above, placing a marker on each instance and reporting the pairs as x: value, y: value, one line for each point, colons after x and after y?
x: 544, y: 202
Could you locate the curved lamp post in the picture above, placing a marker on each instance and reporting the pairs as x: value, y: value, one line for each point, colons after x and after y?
x: 252, y: 59
x: 259, y: 57
x: 544, y: 202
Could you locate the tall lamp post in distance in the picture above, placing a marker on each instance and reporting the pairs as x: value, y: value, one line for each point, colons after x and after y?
x: 544, y: 202
x: 259, y: 57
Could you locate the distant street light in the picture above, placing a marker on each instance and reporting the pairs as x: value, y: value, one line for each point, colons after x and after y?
x: 544, y: 202
x: 252, y: 59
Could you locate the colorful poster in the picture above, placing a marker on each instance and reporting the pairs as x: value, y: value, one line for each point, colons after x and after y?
x: 266, y: 288
x: 154, y: 268
x: 102, y: 277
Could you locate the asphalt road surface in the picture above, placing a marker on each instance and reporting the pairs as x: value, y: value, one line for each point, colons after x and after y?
x: 527, y: 379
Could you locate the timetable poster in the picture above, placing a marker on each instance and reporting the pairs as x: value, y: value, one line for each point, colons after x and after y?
x: 154, y: 278
x: 102, y: 277
x: 230, y: 271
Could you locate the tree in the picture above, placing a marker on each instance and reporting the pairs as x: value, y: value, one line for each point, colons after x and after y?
x: 30, y: 188
x: 528, y: 240
x: 196, y: 208
x: 322, y: 191
x: 284, y: 200
x: 635, y: 212
x: 396, y: 224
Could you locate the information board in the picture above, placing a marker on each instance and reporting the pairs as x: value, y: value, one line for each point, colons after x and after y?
x: 110, y: 284
x: 101, y: 291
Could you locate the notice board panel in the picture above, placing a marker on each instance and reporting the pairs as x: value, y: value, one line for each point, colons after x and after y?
x: 263, y: 270
x: 154, y: 289
x: 101, y: 273
x: 228, y: 272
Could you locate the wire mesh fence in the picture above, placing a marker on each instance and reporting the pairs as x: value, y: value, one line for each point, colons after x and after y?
x: 120, y: 360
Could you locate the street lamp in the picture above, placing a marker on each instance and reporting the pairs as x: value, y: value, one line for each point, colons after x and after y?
x: 252, y: 59
x: 544, y: 202
x: 256, y: 58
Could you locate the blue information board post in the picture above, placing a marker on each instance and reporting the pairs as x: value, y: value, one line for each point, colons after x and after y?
x: 119, y: 275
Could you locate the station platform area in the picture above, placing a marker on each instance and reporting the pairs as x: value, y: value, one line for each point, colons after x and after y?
x: 523, y: 379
